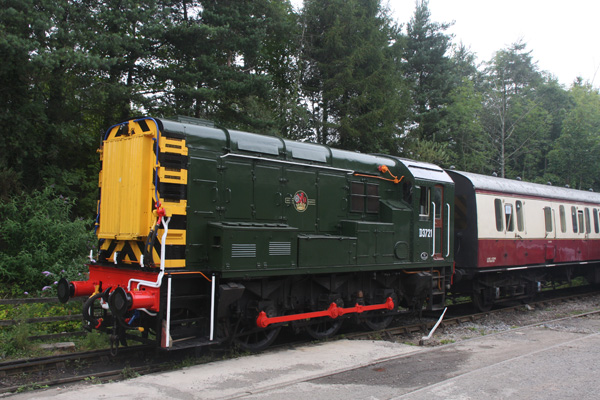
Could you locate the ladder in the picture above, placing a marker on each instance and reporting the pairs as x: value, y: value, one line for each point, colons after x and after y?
x: 437, y: 291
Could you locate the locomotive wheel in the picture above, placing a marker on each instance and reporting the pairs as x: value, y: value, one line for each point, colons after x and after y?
x: 381, y: 319
x: 324, y: 328
x: 255, y: 339
x: 378, y: 322
x: 251, y: 338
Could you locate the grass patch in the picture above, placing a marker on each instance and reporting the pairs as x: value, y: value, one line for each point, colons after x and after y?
x: 15, y: 340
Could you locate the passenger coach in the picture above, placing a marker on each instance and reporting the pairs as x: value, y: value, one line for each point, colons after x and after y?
x: 512, y: 236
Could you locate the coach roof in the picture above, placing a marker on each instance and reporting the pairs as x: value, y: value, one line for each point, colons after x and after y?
x: 510, y: 186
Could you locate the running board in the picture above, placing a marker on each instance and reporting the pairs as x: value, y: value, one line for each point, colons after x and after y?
x: 332, y: 312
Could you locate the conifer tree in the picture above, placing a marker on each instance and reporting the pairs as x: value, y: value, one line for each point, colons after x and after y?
x: 350, y: 60
x: 428, y: 70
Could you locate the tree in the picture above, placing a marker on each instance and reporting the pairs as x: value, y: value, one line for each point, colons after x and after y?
x: 575, y: 152
x: 350, y: 78
x: 429, y: 72
x: 514, y: 118
x: 226, y: 57
x: 43, y: 78
x: 467, y: 144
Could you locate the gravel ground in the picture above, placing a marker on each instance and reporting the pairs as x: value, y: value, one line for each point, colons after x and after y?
x: 502, y: 321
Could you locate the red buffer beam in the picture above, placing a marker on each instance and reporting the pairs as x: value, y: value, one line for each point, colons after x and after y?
x: 332, y: 312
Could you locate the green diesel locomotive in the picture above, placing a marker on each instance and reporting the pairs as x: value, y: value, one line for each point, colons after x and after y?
x: 208, y: 234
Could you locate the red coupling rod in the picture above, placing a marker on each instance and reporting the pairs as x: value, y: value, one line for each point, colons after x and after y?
x: 332, y: 312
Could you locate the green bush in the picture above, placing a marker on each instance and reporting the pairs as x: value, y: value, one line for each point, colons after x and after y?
x: 39, y: 242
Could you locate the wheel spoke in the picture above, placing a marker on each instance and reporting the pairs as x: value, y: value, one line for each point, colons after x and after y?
x: 324, y: 328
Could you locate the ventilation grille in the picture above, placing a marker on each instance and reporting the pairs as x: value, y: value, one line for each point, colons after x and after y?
x: 243, y: 250
x: 280, y: 248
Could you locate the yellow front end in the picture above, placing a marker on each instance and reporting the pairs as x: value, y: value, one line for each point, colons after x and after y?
x: 130, y: 199
x: 127, y: 183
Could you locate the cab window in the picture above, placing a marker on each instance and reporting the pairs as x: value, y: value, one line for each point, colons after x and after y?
x: 424, y: 203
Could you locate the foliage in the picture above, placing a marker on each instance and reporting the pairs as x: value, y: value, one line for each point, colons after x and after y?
x: 514, y: 117
x: 14, y: 340
x: 229, y: 54
x: 39, y: 242
x: 574, y: 153
x: 44, y: 79
x: 350, y: 75
x: 468, y: 145
x: 427, y: 69
x: 429, y: 151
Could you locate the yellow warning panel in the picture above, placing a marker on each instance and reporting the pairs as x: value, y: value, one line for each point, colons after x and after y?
x: 173, y: 145
x: 127, y: 184
x: 169, y: 175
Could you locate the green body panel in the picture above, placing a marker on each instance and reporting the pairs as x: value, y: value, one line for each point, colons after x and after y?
x: 239, y: 247
x: 322, y: 251
x: 375, y: 241
x: 264, y: 206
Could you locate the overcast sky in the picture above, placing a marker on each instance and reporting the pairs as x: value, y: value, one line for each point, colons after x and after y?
x: 563, y: 34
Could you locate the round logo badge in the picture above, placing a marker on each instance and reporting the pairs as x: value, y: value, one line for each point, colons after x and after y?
x: 300, y: 201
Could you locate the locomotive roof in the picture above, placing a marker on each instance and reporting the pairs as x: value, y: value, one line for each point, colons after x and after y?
x: 511, y: 186
x: 424, y: 171
x: 275, y: 148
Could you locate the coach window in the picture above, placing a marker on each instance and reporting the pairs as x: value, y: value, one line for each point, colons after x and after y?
x: 548, y: 218
x: 580, y: 219
x: 596, y: 227
x: 519, y: 207
x: 499, y: 222
x: 588, y: 224
x: 574, y: 217
x: 424, y: 203
x: 508, y: 217
x: 563, y: 220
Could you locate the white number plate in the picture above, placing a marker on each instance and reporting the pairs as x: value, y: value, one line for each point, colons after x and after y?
x: 425, y: 233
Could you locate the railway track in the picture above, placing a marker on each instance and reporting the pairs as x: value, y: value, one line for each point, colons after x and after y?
x: 96, y: 366
x: 456, y: 315
x: 99, y: 366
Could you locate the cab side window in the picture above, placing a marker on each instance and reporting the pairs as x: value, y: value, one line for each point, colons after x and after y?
x: 425, y: 204
x: 364, y: 197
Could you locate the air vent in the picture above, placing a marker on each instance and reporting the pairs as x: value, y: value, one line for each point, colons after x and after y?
x: 243, y: 250
x: 280, y: 248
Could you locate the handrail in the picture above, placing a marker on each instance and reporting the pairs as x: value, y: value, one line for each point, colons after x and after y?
x: 433, y: 229
x: 448, y: 228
